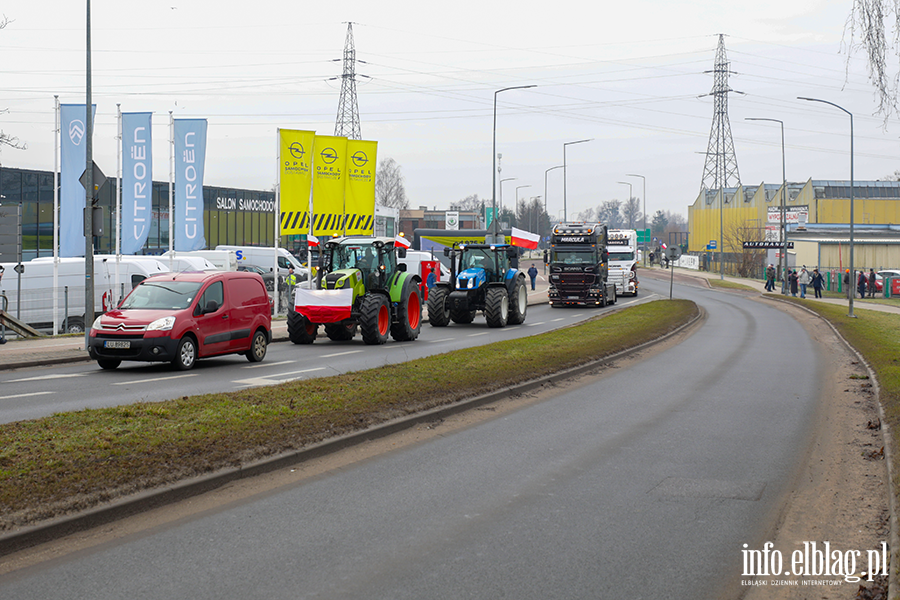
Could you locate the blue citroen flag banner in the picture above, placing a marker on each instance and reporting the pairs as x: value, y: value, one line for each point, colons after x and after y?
x: 190, y: 157
x: 73, y: 156
x: 137, y: 181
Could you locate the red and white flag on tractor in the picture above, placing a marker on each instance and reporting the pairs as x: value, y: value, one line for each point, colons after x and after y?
x: 524, y: 239
x: 323, y: 306
x: 312, y: 241
x: 401, y: 241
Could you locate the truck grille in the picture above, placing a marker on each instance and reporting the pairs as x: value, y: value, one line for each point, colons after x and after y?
x: 575, y: 281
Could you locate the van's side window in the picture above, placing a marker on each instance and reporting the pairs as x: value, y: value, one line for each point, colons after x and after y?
x: 214, y: 293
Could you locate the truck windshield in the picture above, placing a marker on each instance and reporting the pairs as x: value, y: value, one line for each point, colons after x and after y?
x: 162, y: 295
x: 621, y: 256
x: 574, y: 257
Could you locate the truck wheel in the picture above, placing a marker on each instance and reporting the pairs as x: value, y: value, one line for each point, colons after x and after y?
x: 339, y: 332
x: 375, y: 319
x: 496, y: 307
x: 258, y: 346
x: 518, y: 303
x: 109, y: 363
x: 186, y: 354
x: 300, y: 330
x: 438, y: 313
x: 615, y: 296
x: 409, y: 313
x: 462, y: 316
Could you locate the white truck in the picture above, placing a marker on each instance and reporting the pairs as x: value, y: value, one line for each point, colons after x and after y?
x: 224, y: 260
x: 263, y: 257
x: 34, y: 304
x: 623, y: 261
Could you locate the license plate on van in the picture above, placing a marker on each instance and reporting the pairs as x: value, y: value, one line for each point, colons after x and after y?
x: 117, y: 344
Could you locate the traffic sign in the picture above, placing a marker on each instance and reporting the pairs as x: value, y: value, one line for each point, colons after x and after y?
x: 711, y: 245
x: 673, y: 253
x: 19, y: 268
x: 97, y: 176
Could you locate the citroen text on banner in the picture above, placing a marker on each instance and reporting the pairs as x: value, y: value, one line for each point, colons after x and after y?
x: 137, y: 181
x: 359, y: 196
x: 73, y: 156
x: 190, y: 157
x: 295, y: 178
x: 329, y: 170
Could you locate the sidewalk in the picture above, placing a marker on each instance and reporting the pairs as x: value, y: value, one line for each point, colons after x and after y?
x: 760, y: 286
x: 33, y: 352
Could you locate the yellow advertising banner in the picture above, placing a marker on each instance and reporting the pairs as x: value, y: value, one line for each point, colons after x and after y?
x: 359, y: 195
x: 295, y: 178
x: 329, y: 175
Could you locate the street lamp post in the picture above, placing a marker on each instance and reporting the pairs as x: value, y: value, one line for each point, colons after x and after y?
x: 644, y: 194
x: 494, y: 156
x: 497, y: 215
x: 782, y: 264
x: 630, y: 189
x: 852, y: 282
x: 565, y: 213
x: 545, y: 190
x: 519, y: 187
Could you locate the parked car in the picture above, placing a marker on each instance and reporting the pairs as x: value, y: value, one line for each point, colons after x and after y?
x: 267, y: 276
x: 180, y: 317
x: 881, y: 275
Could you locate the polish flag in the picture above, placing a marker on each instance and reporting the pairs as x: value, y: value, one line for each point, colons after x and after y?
x: 524, y: 239
x: 323, y: 306
x: 312, y: 240
x: 401, y: 241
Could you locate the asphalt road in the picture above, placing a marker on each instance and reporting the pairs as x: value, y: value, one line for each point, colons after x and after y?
x: 644, y: 483
x: 41, y: 391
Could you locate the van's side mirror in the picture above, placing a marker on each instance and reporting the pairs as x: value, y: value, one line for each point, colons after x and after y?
x: 211, y: 307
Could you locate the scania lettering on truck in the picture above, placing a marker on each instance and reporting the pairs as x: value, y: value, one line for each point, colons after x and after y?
x: 579, y: 274
x: 623, y: 261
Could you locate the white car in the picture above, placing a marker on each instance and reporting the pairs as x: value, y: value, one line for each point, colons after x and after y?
x: 880, y: 275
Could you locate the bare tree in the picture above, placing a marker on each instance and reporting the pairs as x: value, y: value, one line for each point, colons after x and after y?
x: 532, y: 217
x: 631, y: 212
x: 608, y: 213
x: 588, y: 215
x: 5, y: 138
x: 469, y: 203
x: 868, y: 28
x: 389, y: 190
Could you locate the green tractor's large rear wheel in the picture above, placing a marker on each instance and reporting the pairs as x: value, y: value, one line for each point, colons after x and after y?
x: 496, y: 307
x: 409, y: 313
x: 438, y: 312
x: 300, y: 329
x: 375, y: 319
x: 518, y: 302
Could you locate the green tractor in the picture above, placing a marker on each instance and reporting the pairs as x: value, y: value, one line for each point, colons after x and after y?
x: 483, y: 277
x: 361, y: 287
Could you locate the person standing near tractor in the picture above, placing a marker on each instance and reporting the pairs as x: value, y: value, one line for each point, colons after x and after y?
x: 533, y: 273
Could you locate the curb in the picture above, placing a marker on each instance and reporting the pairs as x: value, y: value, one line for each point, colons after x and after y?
x: 144, y: 501
x: 893, y: 584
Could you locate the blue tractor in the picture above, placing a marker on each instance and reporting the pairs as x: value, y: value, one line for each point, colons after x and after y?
x: 483, y: 277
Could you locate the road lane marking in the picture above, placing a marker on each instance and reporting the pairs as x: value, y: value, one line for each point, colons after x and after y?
x: 274, y: 364
x: 559, y: 319
x: 273, y: 379
x: 477, y: 334
x: 56, y: 376
x: 25, y: 395
x: 535, y: 324
x: 442, y: 340
x: 154, y: 379
x: 340, y: 353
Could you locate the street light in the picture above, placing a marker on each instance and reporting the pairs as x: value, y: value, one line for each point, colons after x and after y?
x: 565, y: 214
x: 545, y: 190
x: 852, y: 271
x: 517, y: 195
x: 782, y: 264
x: 644, y: 194
x: 497, y: 215
x: 494, y: 156
x: 630, y: 189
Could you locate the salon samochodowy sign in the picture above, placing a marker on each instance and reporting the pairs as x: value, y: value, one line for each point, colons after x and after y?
x: 245, y: 204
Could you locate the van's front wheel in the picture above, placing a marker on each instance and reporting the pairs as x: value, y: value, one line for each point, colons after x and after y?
x: 186, y: 355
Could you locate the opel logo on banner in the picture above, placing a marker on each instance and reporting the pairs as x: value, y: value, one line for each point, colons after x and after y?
x: 296, y: 150
x: 359, y: 158
x: 329, y: 155
x: 76, y: 131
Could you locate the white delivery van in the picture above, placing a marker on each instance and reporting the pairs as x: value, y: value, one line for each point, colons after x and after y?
x: 262, y: 257
x: 35, y: 306
x: 181, y: 262
x: 413, y: 262
x: 225, y: 260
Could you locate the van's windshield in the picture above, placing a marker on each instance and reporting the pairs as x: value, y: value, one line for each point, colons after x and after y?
x: 162, y: 295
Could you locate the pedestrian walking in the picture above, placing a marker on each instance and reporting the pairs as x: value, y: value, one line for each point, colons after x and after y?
x: 861, y: 284
x: 817, y: 283
x: 533, y: 273
x: 792, y: 279
x: 803, y: 279
x: 849, y: 290
x: 430, y: 280
x: 872, y: 281
x: 770, y: 278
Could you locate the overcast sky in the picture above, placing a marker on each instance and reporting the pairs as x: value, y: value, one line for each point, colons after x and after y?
x: 630, y: 75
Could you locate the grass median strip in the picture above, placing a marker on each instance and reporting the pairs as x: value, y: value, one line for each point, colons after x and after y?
x: 73, y: 461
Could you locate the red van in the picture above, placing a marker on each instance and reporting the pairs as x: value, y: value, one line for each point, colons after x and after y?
x: 180, y: 317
